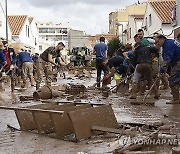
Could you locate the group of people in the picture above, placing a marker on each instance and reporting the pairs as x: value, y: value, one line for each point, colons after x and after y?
x: 147, y: 63
x: 21, y: 65
x: 150, y: 62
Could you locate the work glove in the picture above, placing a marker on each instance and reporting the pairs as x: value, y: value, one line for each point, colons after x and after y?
x: 164, y: 66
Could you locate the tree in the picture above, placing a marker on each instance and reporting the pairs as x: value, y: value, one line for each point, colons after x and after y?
x: 113, y: 46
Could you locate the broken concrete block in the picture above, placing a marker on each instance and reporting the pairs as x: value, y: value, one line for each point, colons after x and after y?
x: 70, y: 97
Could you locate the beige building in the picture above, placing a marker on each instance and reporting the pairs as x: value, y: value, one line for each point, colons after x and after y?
x: 118, y: 21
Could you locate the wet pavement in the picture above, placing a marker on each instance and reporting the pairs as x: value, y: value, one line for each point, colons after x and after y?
x: 26, y: 142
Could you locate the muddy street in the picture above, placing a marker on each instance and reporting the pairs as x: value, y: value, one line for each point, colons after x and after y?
x: 13, y: 140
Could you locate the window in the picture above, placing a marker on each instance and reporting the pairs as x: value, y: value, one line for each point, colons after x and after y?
x: 51, y: 30
x: 150, y: 20
x: 27, y: 30
x: 40, y: 47
x: 43, y: 30
x: 35, y: 41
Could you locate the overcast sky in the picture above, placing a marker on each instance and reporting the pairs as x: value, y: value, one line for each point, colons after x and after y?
x: 90, y: 16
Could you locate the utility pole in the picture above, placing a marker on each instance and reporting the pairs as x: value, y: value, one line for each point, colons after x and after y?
x: 6, y: 21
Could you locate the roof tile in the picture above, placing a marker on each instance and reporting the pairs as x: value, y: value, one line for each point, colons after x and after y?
x: 163, y: 8
x: 16, y: 23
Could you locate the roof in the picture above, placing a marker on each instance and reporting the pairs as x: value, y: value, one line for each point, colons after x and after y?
x: 137, y: 16
x: 16, y: 23
x: 163, y: 8
x: 30, y: 19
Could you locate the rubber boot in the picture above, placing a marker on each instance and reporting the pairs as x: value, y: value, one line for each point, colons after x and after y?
x: 134, y: 91
x: 37, y: 86
x: 142, y: 87
x: 64, y: 75
x: 156, y: 92
x: 175, y: 93
x: 98, y: 82
x: 164, y: 79
x: 1, y: 86
x: 31, y: 80
x: 24, y: 83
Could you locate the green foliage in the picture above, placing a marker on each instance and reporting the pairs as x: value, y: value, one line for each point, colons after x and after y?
x: 113, y: 46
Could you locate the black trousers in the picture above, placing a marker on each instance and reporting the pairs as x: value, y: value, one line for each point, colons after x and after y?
x: 100, y: 67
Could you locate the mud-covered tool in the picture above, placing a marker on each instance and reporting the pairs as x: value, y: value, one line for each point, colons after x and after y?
x: 150, y: 102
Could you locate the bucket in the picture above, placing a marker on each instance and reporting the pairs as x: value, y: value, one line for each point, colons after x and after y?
x: 44, y: 92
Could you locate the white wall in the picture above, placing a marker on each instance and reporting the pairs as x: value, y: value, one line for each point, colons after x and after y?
x: 23, y: 38
x: 167, y: 30
x: 156, y: 22
x: 44, y: 46
x: 120, y: 31
x: 134, y: 25
x: 35, y: 35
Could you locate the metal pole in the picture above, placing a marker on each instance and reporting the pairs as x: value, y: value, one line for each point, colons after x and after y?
x: 6, y: 21
x: 122, y: 33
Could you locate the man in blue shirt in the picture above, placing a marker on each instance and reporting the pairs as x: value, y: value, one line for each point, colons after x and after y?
x: 27, y: 67
x: 171, y: 57
x: 101, y: 58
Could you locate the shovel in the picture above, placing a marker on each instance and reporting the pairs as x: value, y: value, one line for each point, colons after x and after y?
x: 145, y: 96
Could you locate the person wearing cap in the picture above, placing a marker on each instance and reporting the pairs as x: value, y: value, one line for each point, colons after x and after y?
x: 44, y: 61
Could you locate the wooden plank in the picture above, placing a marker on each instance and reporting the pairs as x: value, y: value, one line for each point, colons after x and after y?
x: 26, y: 120
x: 105, y: 129
x: 44, y: 121
x: 84, y: 119
x: 62, y: 124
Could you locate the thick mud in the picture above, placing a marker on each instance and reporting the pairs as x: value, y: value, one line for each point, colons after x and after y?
x: 19, y: 142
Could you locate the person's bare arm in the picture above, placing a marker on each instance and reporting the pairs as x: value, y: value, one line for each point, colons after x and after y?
x: 106, y: 54
x: 125, y: 54
x: 60, y: 61
x: 50, y: 59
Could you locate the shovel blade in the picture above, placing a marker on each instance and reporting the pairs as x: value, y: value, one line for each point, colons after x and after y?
x: 123, y: 88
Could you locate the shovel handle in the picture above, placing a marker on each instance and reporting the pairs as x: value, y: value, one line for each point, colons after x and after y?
x: 29, y: 109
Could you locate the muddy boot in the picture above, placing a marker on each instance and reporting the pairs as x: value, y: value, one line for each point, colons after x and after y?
x: 175, y: 93
x: 98, y: 82
x: 31, y: 80
x: 134, y: 91
x: 142, y: 87
x: 156, y: 92
x: 1, y: 87
x: 24, y: 83
x: 64, y: 76
x: 37, y: 86
x: 164, y: 82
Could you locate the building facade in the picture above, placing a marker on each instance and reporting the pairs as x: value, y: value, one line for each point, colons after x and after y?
x: 77, y: 38
x: 134, y: 23
x: 158, y: 18
x: 24, y: 32
x: 51, y: 34
x: 118, y: 21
